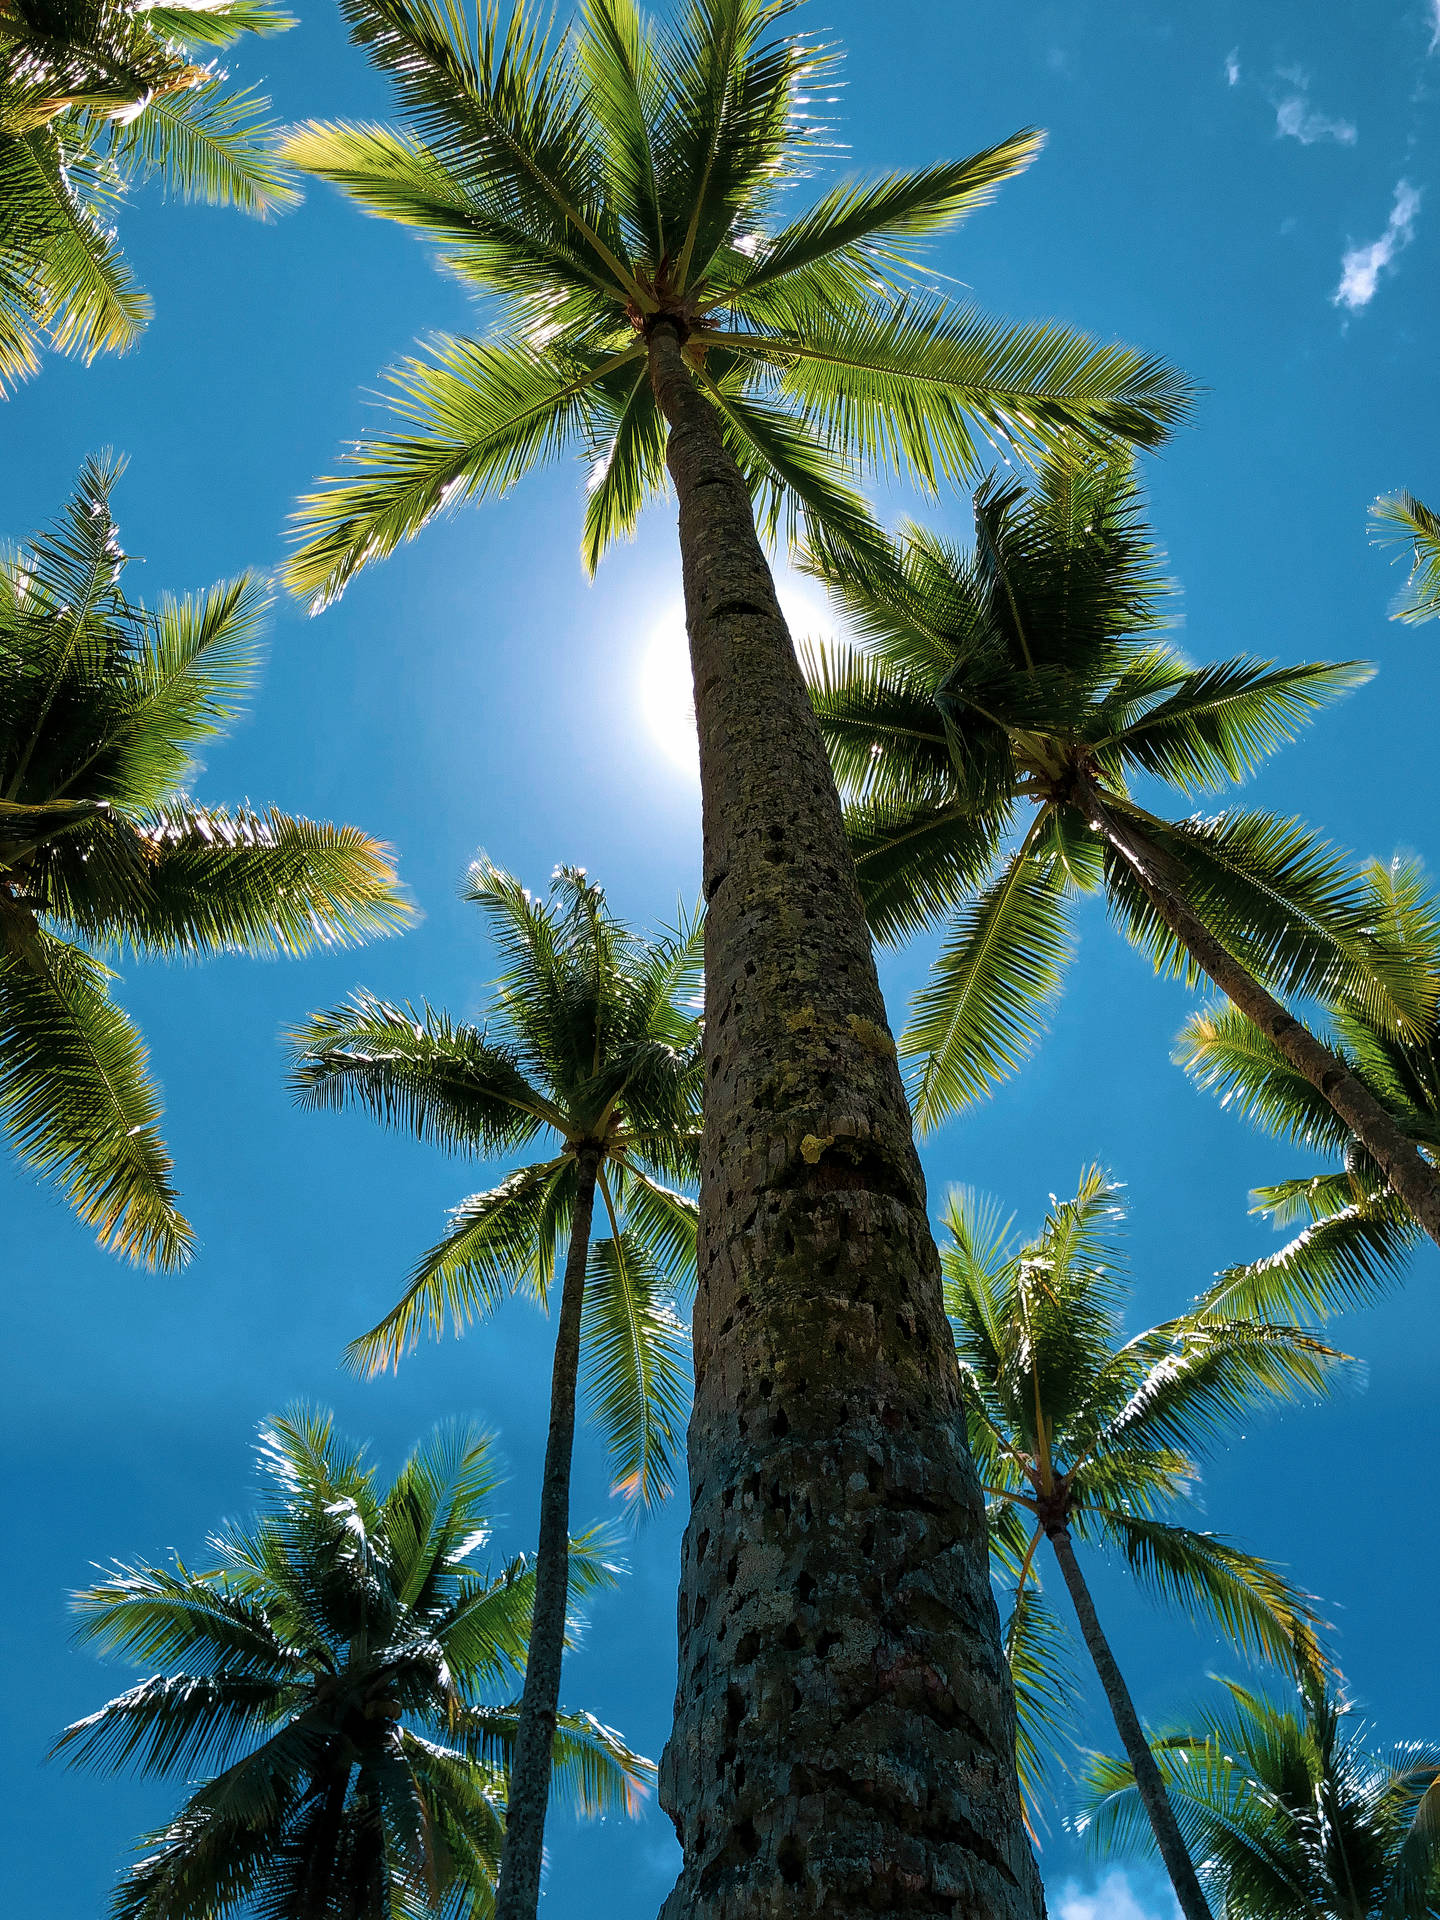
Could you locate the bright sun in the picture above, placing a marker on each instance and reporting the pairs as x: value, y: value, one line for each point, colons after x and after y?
x: 665, y: 698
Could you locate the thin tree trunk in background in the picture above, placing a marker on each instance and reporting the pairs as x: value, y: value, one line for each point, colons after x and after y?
x: 1409, y: 1175
x: 844, y: 1727
x: 523, y: 1850
x: 1148, y: 1781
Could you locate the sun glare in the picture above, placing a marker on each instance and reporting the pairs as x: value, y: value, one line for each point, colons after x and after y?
x: 665, y: 698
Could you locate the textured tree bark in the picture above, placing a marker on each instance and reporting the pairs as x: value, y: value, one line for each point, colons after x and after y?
x: 1148, y: 1781
x: 844, y: 1727
x: 522, y: 1855
x: 1409, y: 1174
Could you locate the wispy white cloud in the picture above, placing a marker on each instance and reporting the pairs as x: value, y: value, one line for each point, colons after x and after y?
x: 1113, y: 1899
x: 1361, y: 268
x: 1434, y: 25
x: 1296, y: 119
x: 1232, y: 62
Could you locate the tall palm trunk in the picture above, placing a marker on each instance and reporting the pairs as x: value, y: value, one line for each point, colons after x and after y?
x: 523, y: 1851
x: 1410, y: 1176
x: 1149, y: 1784
x: 844, y: 1729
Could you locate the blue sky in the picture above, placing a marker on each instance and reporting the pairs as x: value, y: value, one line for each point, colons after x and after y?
x: 1252, y: 190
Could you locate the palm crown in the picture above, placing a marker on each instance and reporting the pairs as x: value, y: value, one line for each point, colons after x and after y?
x: 590, y: 1047
x: 93, y: 95
x: 1401, y: 520
x: 987, y: 729
x: 635, y: 172
x: 1293, y: 1814
x: 1357, y: 1233
x: 344, y: 1661
x: 103, y: 704
x: 1074, y: 1427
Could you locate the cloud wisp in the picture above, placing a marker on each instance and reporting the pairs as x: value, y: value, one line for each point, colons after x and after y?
x: 1232, y: 63
x: 1113, y: 1899
x: 1361, y: 268
x: 1296, y: 119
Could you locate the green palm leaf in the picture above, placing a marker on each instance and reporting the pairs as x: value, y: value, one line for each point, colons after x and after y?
x: 637, y: 1365
x: 340, y: 1674
x: 1249, y: 1601
x: 489, y: 1251
x: 995, y: 980
x: 478, y: 415
x: 78, y: 1104
x: 1224, y: 720
x: 1401, y: 520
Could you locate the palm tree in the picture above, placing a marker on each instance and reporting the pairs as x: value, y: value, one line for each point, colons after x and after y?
x: 618, y: 195
x: 339, y: 1662
x: 94, y: 95
x: 1083, y: 1436
x: 103, y: 705
x: 987, y: 731
x: 1293, y: 1814
x: 1402, y: 520
x: 1358, y: 1234
x: 592, y: 1049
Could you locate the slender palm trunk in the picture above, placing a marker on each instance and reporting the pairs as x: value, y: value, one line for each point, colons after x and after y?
x: 1409, y: 1174
x: 523, y: 1851
x: 1150, y: 1785
x: 843, y: 1738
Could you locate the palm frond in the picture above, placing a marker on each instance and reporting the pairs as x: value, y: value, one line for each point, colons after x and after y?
x: 223, y: 881
x: 478, y: 415
x: 1225, y: 719
x: 491, y: 1249
x: 416, y: 1068
x: 990, y: 989
x: 1040, y: 1656
x: 919, y: 386
x: 636, y: 1354
x: 208, y: 142
x: 1250, y: 1602
x: 1399, y: 519
x: 860, y: 225
x: 1345, y: 1258
x: 78, y: 1103
x: 1225, y: 1053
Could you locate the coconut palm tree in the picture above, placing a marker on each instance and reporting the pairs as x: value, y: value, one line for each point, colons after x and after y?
x: 1293, y: 1814
x: 591, y: 1048
x: 987, y: 731
x: 621, y: 195
x: 1083, y: 1436
x: 104, y: 703
x: 94, y: 96
x: 344, y: 1661
x: 1402, y: 520
x: 1358, y: 1234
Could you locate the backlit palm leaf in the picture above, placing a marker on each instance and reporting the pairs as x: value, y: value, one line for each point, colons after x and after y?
x: 1074, y: 1426
x: 103, y: 706
x: 592, y: 177
x: 91, y: 100
x: 1402, y: 520
x: 991, y: 987
x: 1024, y: 676
x: 1291, y: 1811
x: 637, y: 1365
x: 78, y: 1103
x: 335, y: 1672
x: 1357, y: 1235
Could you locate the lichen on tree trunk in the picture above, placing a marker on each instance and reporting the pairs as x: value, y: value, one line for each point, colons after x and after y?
x: 844, y: 1730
